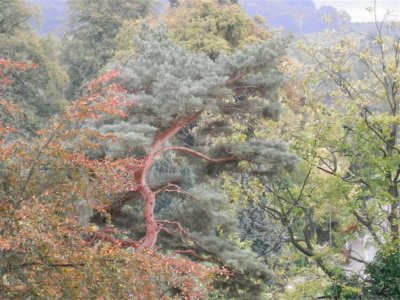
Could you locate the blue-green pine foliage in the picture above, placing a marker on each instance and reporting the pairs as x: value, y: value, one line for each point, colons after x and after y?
x: 166, y: 82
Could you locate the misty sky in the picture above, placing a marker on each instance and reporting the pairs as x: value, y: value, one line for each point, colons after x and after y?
x: 357, y: 8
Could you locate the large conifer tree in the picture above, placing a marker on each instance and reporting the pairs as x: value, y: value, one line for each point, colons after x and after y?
x: 171, y: 89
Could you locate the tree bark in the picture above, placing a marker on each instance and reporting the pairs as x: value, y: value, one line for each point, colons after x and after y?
x: 153, y: 226
x: 149, y: 196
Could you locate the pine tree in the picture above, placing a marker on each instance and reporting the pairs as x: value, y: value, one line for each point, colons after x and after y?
x: 171, y: 89
x: 45, y: 252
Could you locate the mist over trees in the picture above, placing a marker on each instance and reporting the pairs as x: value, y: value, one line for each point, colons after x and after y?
x: 197, y: 153
x: 299, y: 17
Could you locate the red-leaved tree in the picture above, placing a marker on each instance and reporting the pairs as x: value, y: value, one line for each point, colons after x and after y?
x: 46, y: 185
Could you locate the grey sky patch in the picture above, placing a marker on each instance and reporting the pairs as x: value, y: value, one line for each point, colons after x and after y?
x: 357, y: 9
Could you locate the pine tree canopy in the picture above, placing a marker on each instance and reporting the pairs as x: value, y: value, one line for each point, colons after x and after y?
x: 170, y: 90
x: 167, y: 83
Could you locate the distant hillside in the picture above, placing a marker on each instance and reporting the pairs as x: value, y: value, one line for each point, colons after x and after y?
x: 297, y: 16
x: 294, y: 15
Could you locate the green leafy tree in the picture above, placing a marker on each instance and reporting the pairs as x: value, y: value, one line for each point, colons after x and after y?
x: 343, y: 126
x: 369, y: 131
x: 90, y: 42
x: 205, y: 26
x: 212, y: 26
x: 383, y: 277
x: 14, y: 16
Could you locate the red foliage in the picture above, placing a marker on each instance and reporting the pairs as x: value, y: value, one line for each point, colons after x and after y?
x: 8, y: 67
x: 350, y: 229
x: 50, y: 255
x: 346, y: 254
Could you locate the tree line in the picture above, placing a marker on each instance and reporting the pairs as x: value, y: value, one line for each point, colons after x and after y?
x: 188, y: 156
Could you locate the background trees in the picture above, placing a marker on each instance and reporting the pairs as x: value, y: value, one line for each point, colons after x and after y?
x: 39, y: 91
x: 343, y: 127
x: 14, y: 16
x: 90, y: 40
x: 212, y: 27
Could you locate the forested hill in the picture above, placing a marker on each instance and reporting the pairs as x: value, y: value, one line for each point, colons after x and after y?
x: 295, y: 16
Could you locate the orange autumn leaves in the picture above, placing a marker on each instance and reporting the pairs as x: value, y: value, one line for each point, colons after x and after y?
x: 42, y: 242
x: 8, y: 67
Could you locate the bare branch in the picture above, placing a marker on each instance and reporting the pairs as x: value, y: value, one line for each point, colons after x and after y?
x: 195, y: 255
x: 368, y: 225
x: 198, y: 154
x: 174, y: 188
x: 299, y: 247
x: 109, y: 238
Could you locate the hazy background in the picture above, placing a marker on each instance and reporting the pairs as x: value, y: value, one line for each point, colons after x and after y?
x: 296, y: 16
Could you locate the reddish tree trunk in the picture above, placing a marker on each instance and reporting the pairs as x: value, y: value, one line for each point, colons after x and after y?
x: 153, y: 227
x: 149, y: 197
x: 151, y: 223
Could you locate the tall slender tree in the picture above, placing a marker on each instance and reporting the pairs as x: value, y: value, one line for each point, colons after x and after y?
x: 90, y: 41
